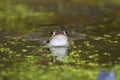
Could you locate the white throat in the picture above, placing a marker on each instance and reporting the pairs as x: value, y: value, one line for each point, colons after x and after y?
x: 58, y: 40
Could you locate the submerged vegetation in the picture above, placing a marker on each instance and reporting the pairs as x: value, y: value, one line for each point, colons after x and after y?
x: 93, y: 30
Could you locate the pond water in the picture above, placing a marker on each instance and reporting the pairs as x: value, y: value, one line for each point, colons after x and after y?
x: 91, y: 45
x: 100, y: 40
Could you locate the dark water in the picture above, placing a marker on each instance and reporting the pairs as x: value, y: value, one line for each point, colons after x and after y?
x: 97, y: 43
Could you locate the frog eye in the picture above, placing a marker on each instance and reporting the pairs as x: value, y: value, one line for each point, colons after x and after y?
x: 52, y: 33
x: 65, y: 32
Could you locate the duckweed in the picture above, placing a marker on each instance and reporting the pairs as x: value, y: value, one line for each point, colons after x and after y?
x: 21, y: 59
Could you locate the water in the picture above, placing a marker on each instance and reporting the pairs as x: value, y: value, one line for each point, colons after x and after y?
x: 92, y: 45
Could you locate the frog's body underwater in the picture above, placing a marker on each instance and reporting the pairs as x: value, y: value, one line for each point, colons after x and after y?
x: 58, y: 45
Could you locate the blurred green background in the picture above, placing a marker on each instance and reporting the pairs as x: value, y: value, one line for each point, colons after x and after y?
x: 54, y: 11
x: 23, y: 57
x: 43, y: 12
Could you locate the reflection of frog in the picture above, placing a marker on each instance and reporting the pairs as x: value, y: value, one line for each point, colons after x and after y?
x: 58, y: 43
